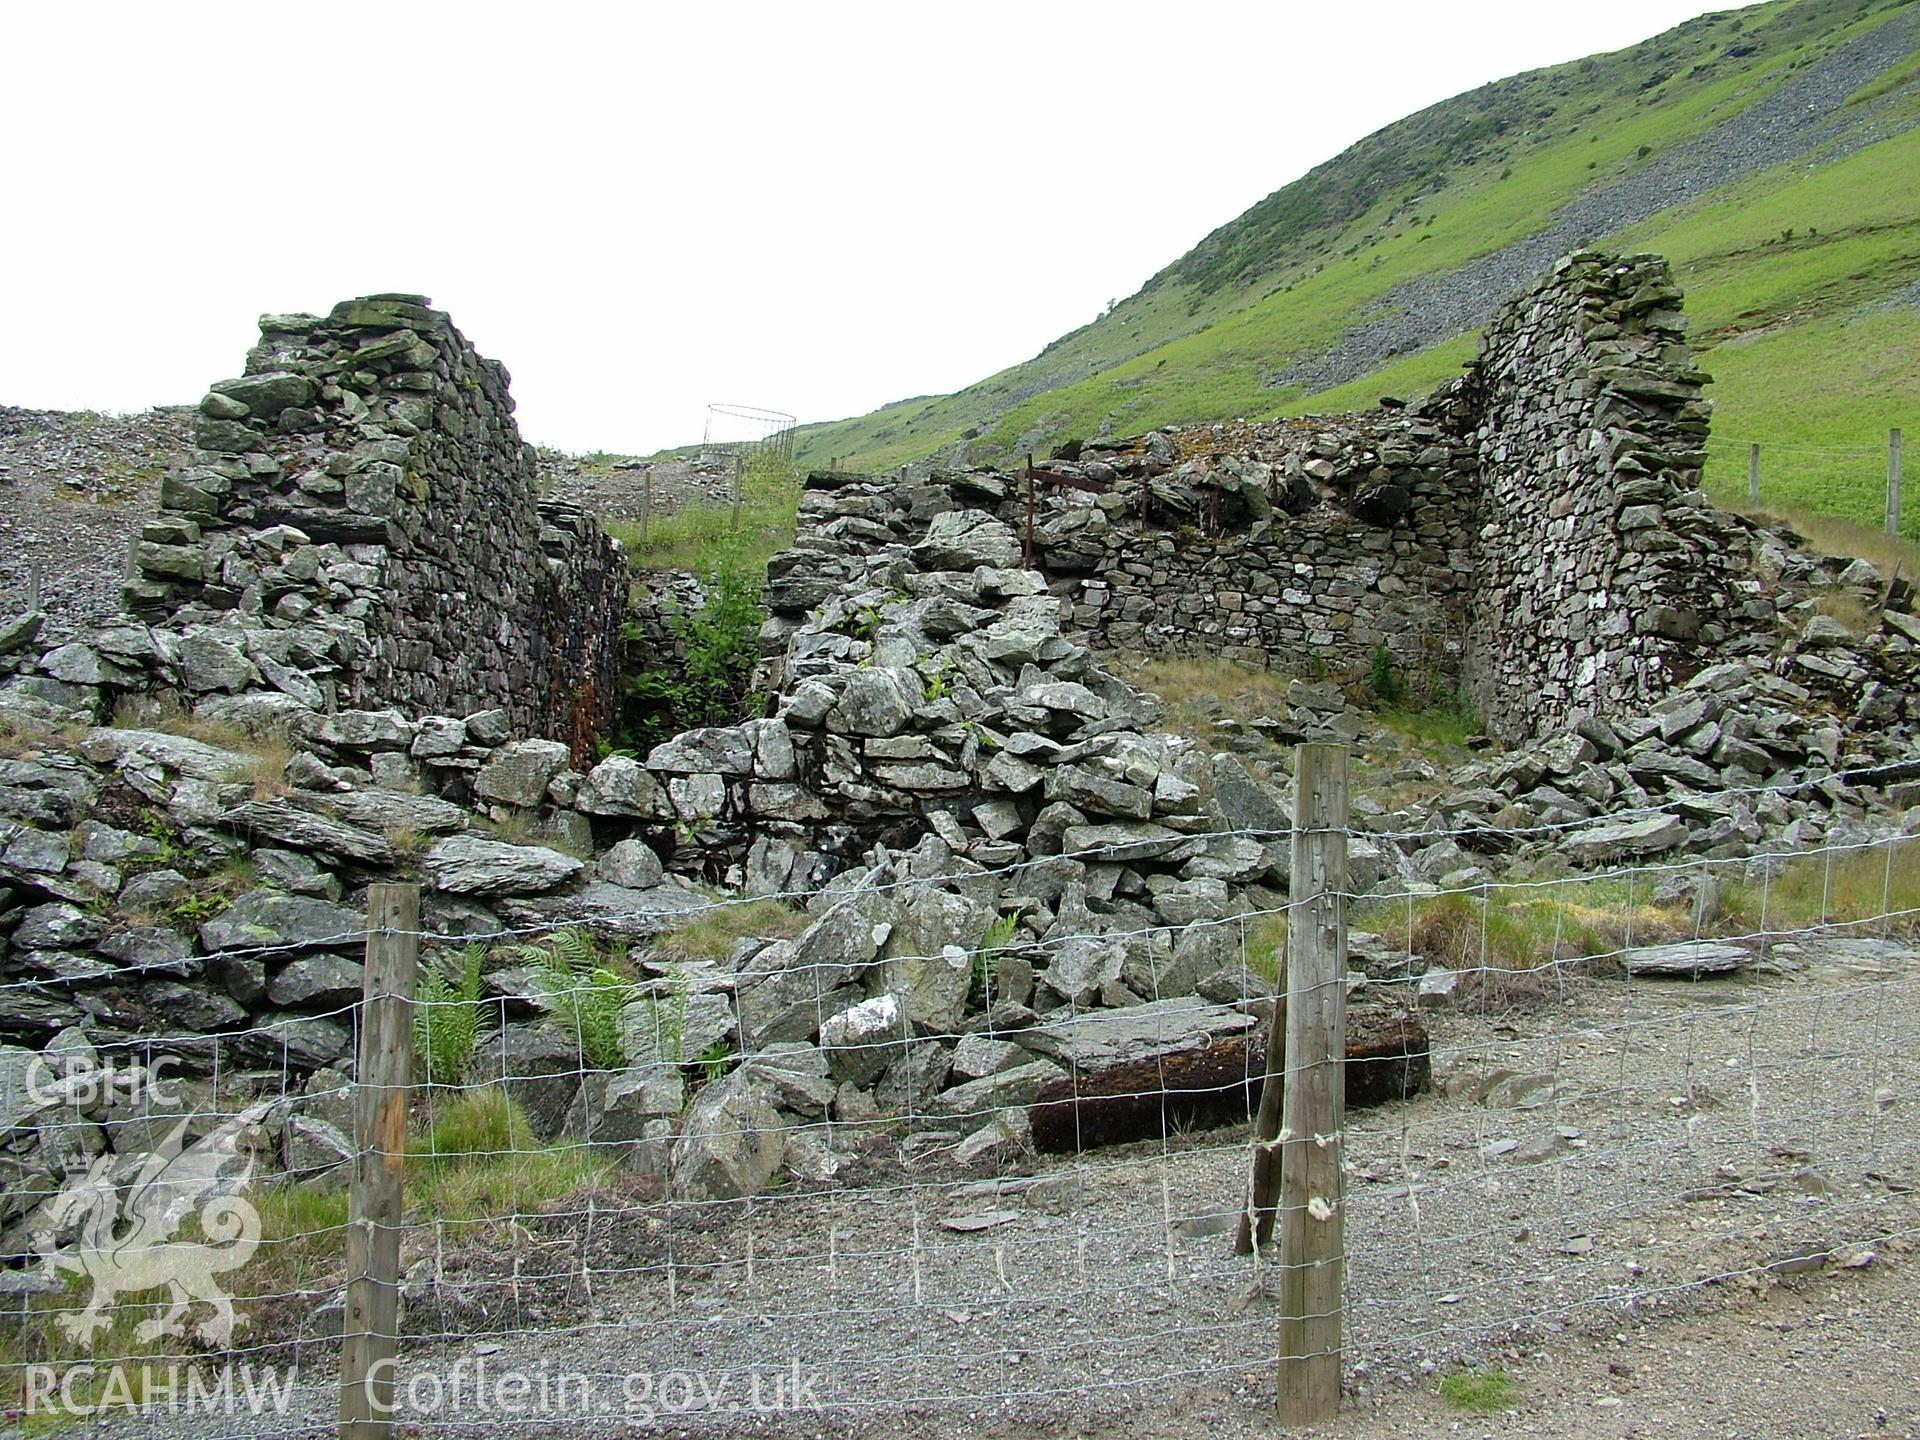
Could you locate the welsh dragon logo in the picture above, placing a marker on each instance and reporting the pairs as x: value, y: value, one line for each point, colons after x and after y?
x: 129, y: 1235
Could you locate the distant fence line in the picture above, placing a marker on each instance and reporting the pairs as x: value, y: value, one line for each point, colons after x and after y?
x: 1766, y: 461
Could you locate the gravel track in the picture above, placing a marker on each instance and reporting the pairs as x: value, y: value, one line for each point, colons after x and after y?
x: 1642, y: 1160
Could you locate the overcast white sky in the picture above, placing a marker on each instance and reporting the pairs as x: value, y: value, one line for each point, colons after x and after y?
x: 815, y: 208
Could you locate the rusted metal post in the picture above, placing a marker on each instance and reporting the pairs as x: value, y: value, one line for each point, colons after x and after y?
x: 1026, y: 562
x: 1753, y: 473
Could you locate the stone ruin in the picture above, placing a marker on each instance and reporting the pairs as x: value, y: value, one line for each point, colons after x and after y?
x: 355, y: 562
x: 359, y: 529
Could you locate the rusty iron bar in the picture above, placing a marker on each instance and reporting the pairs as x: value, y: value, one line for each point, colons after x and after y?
x: 1066, y: 482
x: 1034, y: 475
x: 1026, y: 562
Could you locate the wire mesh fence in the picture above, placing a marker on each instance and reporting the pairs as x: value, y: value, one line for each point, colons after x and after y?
x: 748, y: 434
x: 1858, y: 482
x: 1628, y: 1089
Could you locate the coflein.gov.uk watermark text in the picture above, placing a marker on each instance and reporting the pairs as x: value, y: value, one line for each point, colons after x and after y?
x: 473, y: 1387
x: 469, y: 1388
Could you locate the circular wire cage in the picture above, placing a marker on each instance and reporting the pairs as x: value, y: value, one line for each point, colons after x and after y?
x: 747, y: 432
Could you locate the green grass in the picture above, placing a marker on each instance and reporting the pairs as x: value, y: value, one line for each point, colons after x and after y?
x: 1802, y: 356
x: 707, y: 534
x: 1819, y: 398
x: 1416, y: 375
x: 478, y: 1164
x: 1480, y: 1392
x: 1202, y: 690
x: 712, y: 933
x: 1265, y: 951
x: 1440, y: 729
x: 1897, y: 78
x: 1525, y: 931
x: 1871, y: 892
x: 1511, y: 936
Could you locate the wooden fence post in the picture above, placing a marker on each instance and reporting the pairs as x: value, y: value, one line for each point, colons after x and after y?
x: 1313, y: 1106
x: 370, y: 1329
x: 739, y: 483
x: 1256, y: 1220
x: 1753, y: 472
x: 1893, y: 483
x: 646, y: 503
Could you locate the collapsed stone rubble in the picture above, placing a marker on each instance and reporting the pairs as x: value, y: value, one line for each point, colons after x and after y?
x: 1014, y: 881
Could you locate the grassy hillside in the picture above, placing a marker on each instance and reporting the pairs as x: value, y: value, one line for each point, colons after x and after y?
x: 1803, y: 274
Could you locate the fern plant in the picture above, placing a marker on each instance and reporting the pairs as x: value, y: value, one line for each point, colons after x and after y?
x: 446, y: 1018
x: 665, y: 1021
x: 714, y: 1061
x: 585, y: 994
x: 994, y: 939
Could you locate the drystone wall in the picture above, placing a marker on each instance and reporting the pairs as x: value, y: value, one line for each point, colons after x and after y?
x: 360, y: 521
x: 1299, y: 545
x: 941, y: 752
x: 1534, y: 532
x: 1603, y: 577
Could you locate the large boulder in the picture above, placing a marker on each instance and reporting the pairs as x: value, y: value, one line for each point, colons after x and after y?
x: 929, y: 957
x: 283, y: 822
x: 632, y: 864
x: 468, y: 865
x: 965, y: 539
x: 878, y: 701
x: 539, y: 1070
x: 863, y: 1039
x: 732, y: 1141
x: 262, y: 919
x: 518, y: 774
x: 1653, y: 835
x: 621, y: 785
x: 713, y: 751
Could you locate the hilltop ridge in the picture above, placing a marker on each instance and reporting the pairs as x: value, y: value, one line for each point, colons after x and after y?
x: 1761, y: 149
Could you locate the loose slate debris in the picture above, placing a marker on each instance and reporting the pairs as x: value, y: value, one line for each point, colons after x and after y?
x: 980, y: 1220
x: 1689, y: 959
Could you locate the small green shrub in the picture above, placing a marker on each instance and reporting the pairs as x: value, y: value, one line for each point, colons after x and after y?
x: 711, y: 684
x: 986, y: 955
x: 446, y: 1018
x: 714, y: 1061
x: 1389, y: 687
x: 1482, y: 1392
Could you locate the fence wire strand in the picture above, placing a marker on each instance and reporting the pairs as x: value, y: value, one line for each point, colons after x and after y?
x: 1595, y: 1144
